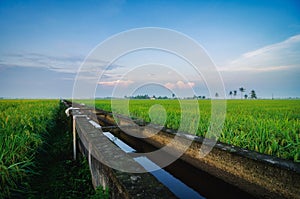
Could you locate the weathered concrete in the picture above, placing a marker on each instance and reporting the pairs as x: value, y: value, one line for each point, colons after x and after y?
x: 99, y: 150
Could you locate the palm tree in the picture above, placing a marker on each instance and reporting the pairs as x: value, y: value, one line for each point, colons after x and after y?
x: 234, y: 93
x: 230, y: 93
x: 253, y: 94
x: 242, y: 90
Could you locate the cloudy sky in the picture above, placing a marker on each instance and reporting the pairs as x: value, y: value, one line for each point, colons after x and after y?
x: 254, y: 44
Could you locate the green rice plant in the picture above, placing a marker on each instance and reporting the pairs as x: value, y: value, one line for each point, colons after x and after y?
x: 23, y: 123
x: 266, y: 126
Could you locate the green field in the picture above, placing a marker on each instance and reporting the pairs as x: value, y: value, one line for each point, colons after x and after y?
x: 266, y: 126
x: 23, y: 123
x: 36, y: 159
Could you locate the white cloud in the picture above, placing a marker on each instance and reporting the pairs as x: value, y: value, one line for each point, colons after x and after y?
x: 124, y: 83
x: 179, y: 84
x: 62, y: 64
x: 170, y: 85
x: 65, y: 64
x: 279, y: 56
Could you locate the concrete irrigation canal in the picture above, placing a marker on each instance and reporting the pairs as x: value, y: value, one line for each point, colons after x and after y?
x: 227, y: 172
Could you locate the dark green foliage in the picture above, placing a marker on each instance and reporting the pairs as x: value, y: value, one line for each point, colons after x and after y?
x: 100, y: 193
x: 59, y: 175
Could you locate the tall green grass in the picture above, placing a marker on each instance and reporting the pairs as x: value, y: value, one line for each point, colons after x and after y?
x: 266, y: 126
x: 23, y: 123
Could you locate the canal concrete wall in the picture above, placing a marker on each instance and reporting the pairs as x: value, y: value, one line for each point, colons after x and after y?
x: 100, y: 152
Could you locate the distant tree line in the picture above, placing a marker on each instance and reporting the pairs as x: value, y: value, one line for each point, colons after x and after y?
x: 242, y: 90
x: 138, y: 97
x: 146, y: 97
x: 232, y: 94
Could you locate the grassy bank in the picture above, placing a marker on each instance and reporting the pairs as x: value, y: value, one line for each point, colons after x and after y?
x: 36, y: 152
x: 59, y: 175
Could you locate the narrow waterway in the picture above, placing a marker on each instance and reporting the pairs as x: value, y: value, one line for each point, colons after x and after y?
x: 184, y: 180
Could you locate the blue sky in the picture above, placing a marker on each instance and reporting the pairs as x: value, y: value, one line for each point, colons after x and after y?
x: 255, y: 44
